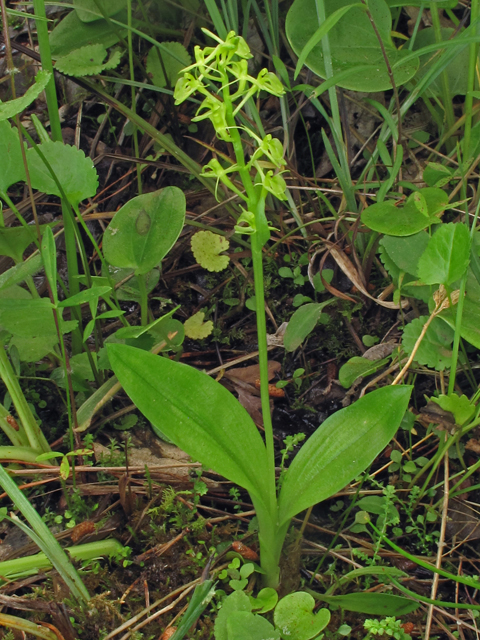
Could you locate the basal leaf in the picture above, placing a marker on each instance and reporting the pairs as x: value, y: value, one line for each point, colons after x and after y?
x: 71, y: 33
x: 435, y: 350
x: 74, y: 171
x: 460, y: 406
x: 91, y: 10
x: 33, y: 349
x: 236, y: 601
x: 14, y: 241
x: 87, y: 61
x: 353, y: 43
x: 28, y: 318
x: 374, y: 604
x: 11, y: 168
x: 406, y: 220
x: 357, y: 367
x: 12, y: 107
x: 447, y: 255
x: 341, y: 448
x: 144, y: 230
x: 196, y: 413
x: 244, y: 625
x: 19, y: 272
x: 174, y: 58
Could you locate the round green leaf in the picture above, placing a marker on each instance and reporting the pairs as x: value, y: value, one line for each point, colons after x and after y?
x: 74, y: 171
x: 71, y: 33
x: 353, y: 43
x: 243, y: 625
x: 174, y: 58
x: 207, y: 247
x: 406, y: 220
x: 87, y: 61
x: 196, y: 329
x: 144, y: 230
x: 266, y: 600
x: 294, y: 617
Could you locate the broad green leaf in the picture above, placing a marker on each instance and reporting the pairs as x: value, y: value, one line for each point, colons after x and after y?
x: 342, y: 447
x: 236, y: 601
x: 195, y: 328
x: 196, y: 413
x: 442, y: 4
x: 11, y: 168
x: 144, y: 230
x: 435, y: 350
x: 374, y: 604
x: 353, y: 43
x: 470, y: 328
x: 174, y: 58
x: 302, y: 323
x: 91, y: 10
x: 12, y: 107
x: 73, y: 170
x: 357, y: 367
x: 294, y: 617
x: 129, y: 290
x: 15, y: 292
x: 406, y: 251
x: 406, y: 220
x: 437, y: 175
x: 170, y: 330
x: 81, y: 373
x: 456, y: 70
x: 447, y: 255
x: 19, y: 272
x: 71, y: 33
x: 207, y: 247
x: 33, y: 349
x: 460, y: 406
x: 244, y: 625
x: 87, y: 61
x: 28, y: 318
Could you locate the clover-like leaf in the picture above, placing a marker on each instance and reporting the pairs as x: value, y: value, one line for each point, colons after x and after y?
x: 207, y: 247
x: 447, y: 255
x: 196, y: 328
x: 73, y: 170
x: 12, y: 107
x: 88, y: 61
x: 294, y: 617
x: 165, y: 64
x: 435, y: 349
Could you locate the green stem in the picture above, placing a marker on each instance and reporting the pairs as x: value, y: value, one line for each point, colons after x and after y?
x: 143, y: 299
x: 447, y: 100
x: 132, y: 89
x: 56, y: 130
x: 472, y: 64
x: 33, y: 432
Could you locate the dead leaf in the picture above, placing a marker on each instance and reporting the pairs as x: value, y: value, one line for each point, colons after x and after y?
x: 473, y: 445
x: 252, y: 373
x: 379, y: 351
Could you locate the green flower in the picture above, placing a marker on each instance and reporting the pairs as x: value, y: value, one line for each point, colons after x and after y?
x: 216, y: 111
x: 272, y: 148
x: 268, y: 81
x: 246, y: 223
x: 275, y: 184
x: 185, y: 87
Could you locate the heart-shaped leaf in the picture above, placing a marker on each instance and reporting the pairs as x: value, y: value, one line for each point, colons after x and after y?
x: 385, y: 217
x: 11, y: 169
x: 353, y: 43
x: 266, y: 600
x: 208, y: 423
x: 73, y: 170
x: 144, y: 230
x: 405, y: 251
x: 342, y: 447
x: 294, y: 617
